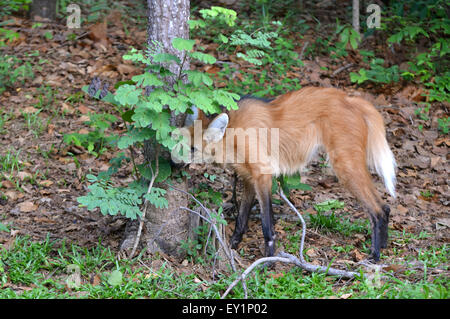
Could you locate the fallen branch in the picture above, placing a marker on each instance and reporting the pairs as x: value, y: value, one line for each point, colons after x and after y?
x: 303, y: 50
x: 249, y: 270
x: 343, y: 68
x: 290, y: 259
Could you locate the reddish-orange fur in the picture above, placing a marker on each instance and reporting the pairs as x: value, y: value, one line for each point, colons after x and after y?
x: 349, y: 129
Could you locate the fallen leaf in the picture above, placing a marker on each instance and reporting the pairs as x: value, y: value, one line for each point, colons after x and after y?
x: 12, y: 195
x: 66, y: 108
x: 442, y: 140
x: 433, y: 198
x: 84, y: 118
x: 7, y: 184
x: 434, y: 161
x: 84, y: 109
x: 29, y: 110
x: 22, y: 175
x: 402, y: 210
x: 98, y: 32
x: 357, y: 255
x: 394, y: 268
x: 311, y: 252
x: 114, y: 17
x: 95, y: 280
x: 43, y: 220
x: 65, y: 160
x: 27, y: 207
x: 211, y: 69
x: 397, y: 226
x: 125, y: 69
x: 50, y: 129
x: 46, y: 183
x: 276, y: 276
x: 381, y: 100
x: 38, y: 80
x: 72, y: 228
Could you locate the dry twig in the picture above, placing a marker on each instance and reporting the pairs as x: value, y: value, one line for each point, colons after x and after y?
x: 343, y: 68
x: 210, y: 220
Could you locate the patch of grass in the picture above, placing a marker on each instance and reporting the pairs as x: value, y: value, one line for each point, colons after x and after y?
x: 435, y: 256
x: 398, y: 289
x: 10, y: 163
x: 326, y: 220
x: 74, y: 98
x: 403, y: 238
x: 47, y: 100
x: 41, y: 270
x: 13, y: 70
x: 50, y: 269
x: 34, y: 123
x: 443, y: 125
x: 4, y: 118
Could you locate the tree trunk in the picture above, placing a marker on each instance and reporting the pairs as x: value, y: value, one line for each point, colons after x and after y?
x: 45, y: 9
x: 355, y: 15
x: 165, y: 229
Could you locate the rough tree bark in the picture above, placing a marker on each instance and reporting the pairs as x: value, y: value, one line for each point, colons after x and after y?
x: 355, y: 14
x: 166, y: 228
x: 43, y: 8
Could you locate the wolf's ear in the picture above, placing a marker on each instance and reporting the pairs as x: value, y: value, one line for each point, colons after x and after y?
x: 190, y: 118
x: 216, y: 129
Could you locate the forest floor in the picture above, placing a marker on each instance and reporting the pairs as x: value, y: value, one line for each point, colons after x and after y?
x: 39, y: 192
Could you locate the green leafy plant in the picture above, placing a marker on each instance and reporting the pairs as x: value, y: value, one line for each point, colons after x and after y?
x: 13, y: 70
x: 326, y: 219
x: 377, y: 73
x: 288, y: 183
x: 215, y: 14
x: 146, y: 113
x: 426, y: 21
x: 329, y: 205
x: 11, y: 6
x: 95, y: 141
x: 443, y: 124
x: 113, y: 200
x: 348, y: 35
x: 269, y: 54
x: 7, y: 36
x: 259, y: 41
